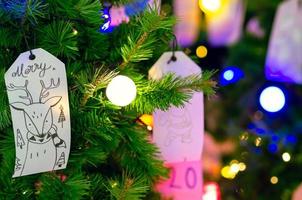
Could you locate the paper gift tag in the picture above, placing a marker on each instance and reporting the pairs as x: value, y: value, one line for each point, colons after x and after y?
x: 284, y: 61
x: 185, y: 181
x: 178, y: 132
x: 188, y: 21
x: 38, y: 97
x: 225, y: 26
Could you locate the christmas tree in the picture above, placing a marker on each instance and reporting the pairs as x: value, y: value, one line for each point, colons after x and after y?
x: 111, y: 155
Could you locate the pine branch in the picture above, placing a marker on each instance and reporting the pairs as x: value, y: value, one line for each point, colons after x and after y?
x: 58, y: 38
x: 128, y: 188
x: 74, y: 187
x: 141, y: 48
x: 170, y: 90
x: 100, y: 80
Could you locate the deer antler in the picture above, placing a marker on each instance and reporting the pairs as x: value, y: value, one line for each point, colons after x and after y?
x: 28, y: 96
x: 45, y: 90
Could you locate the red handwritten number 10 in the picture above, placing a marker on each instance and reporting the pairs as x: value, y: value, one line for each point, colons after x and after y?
x: 190, y: 179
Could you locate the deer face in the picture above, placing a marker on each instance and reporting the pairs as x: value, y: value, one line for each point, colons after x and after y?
x: 38, y: 116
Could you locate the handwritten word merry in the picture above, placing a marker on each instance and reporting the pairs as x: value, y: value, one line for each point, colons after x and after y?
x: 24, y: 71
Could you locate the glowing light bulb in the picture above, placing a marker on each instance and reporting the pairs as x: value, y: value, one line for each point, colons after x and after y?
x: 274, y: 179
x: 209, y: 5
x: 286, y: 157
x: 226, y: 172
x: 272, y: 99
x: 242, y: 167
x: 74, y: 32
x: 228, y: 75
x: 201, y: 51
x: 235, y: 168
x: 121, y: 91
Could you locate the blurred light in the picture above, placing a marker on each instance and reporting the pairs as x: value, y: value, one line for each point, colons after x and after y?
x: 291, y: 139
x: 209, y: 5
x: 149, y: 128
x: 274, y: 180
x: 258, y: 142
x: 211, y: 191
x: 201, y: 51
x: 286, y: 157
x: 230, y: 75
x: 106, y: 27
x: 235, y: 168
x: 272, y: 99
x: 227, y: 173
x: 234, y: 162
x: 258, y: 115
x: 244, y: 136
x: 74, y: 32
x: 121, y: 90
x: 273, y: 148
x: 242, y: 166
x: 147, y: 119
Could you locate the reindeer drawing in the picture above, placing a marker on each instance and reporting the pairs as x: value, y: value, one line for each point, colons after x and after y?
x: 42, y: 138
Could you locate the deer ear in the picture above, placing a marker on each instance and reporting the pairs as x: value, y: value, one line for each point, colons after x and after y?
x: 19, y: 106
x: 53, y: 101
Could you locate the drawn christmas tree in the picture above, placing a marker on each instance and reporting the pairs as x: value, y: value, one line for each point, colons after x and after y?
x: 62, y: 116
x: 20, y: 140
x: 17, y: 165
x: 61, y: 160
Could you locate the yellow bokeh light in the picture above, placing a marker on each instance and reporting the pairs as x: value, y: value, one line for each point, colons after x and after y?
x: 274, y: 180
x: 234, y: 162
x: 147, y: 120
x: 209, y: 5
x: 258, y: 142
x: 286, y: 157
x: 226, y: 172
x: 235, y: 168
x: 201, y: 51
x: 149, y: 128
x: 242, y: 166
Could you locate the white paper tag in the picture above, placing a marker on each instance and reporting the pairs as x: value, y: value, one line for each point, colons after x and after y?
x: 284, y: 61
x: 225, y: 26
x: 38, y: 97
x: 178, y: 132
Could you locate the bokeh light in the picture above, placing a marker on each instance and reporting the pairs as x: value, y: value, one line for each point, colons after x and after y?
x: 274, y: 180
x: 209, y: 5
x: 201, y: 51
x: 286, y: 157
x: 272, y: 99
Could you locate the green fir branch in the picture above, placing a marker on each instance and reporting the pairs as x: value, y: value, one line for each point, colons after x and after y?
x: 170, y: 90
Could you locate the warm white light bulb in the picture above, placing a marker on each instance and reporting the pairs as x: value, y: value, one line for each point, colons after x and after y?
x: 272, y: 99
x: 286, y: 157
x: 121, y: 91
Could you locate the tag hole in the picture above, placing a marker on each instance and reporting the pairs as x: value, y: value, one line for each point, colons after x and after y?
x: 32, y: 57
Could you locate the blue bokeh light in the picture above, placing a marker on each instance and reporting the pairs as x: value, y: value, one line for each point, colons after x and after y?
x: 230, y: 75
x: 272, y: 99
x: 272, y: 148
x: 106, y: 27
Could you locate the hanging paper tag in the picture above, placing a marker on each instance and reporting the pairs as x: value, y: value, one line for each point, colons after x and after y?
x: 284, y: 61
x: 188, y: 21
x: 38, y: 97
x: 185, y: 181
x: 225, y: 25
x: 178, y: 132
